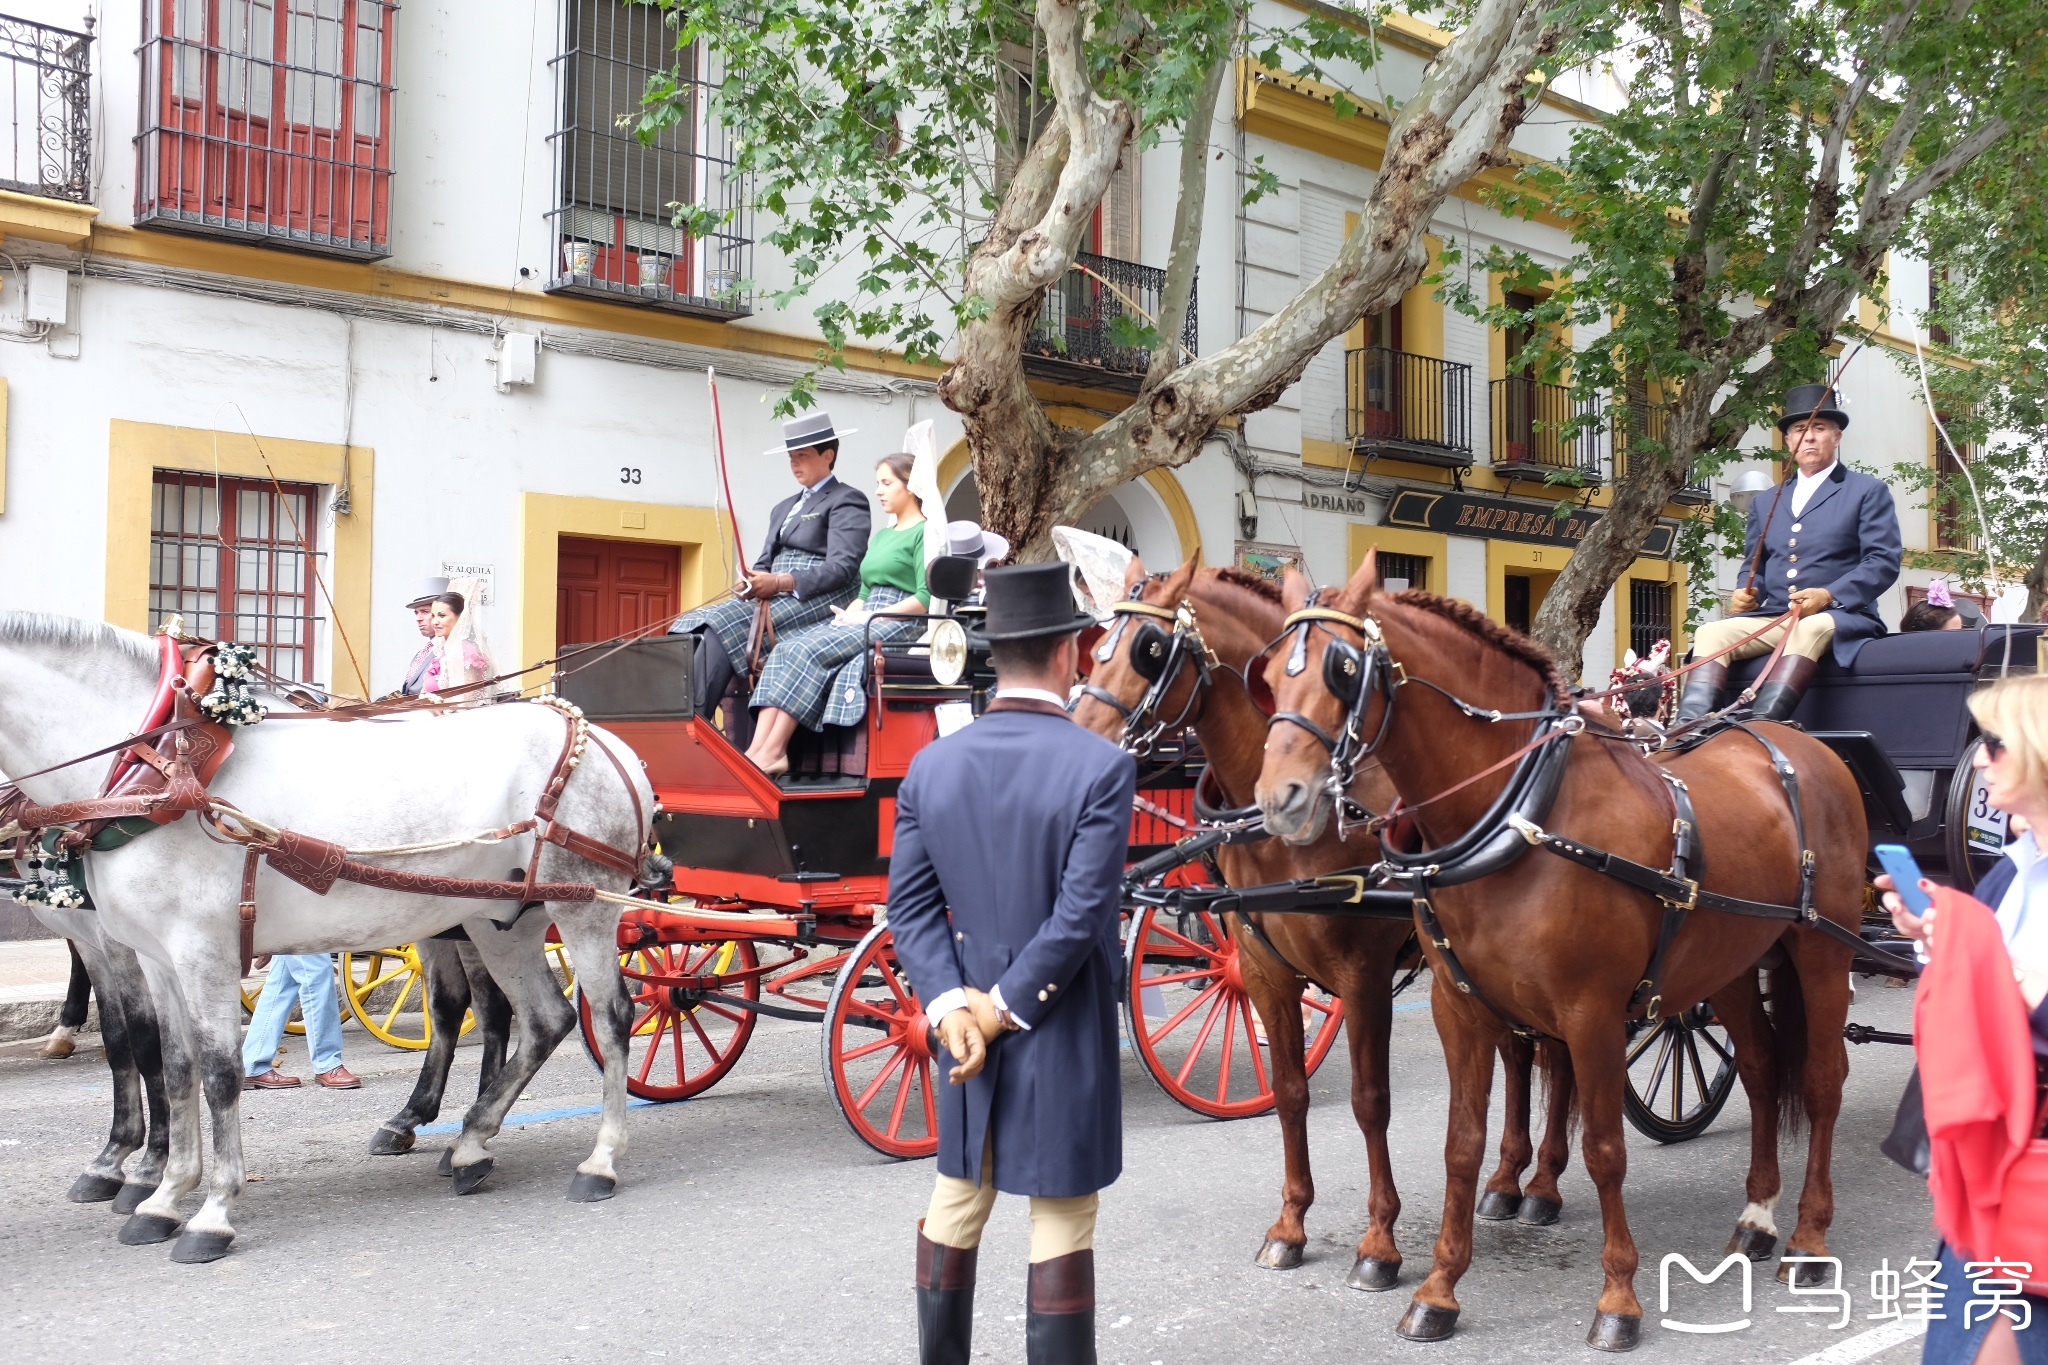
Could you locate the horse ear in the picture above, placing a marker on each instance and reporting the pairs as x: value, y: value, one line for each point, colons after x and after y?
x: 1134, y: 573
x: 1177, y: 582
x: 1294, y: 588
x: 1364, y: 581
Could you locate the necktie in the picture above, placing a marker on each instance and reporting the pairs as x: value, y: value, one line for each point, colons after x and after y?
x: 796, y: 510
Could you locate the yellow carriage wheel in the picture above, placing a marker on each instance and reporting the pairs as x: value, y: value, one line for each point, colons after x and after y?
x: 387, y: 989
x: 297, y: 1026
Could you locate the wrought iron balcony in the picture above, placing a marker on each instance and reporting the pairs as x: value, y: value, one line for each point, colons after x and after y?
x: 1530, y: 439
x: 1638, y: 429
x: 1408, y: 407
x: 48, y: 75
x: 1085, y: 323
x: 615, y: 234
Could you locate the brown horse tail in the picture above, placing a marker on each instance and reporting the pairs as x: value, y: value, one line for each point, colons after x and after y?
x: 1554, y: 1066
x: 1788, y: 1045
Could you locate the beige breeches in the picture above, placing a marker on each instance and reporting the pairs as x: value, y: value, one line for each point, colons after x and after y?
x: 960, y: 1208
x: 1811, y: 637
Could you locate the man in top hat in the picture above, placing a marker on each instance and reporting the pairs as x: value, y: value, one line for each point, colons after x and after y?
x: 1004, y: 884
x: 809, y: 562
x: 422, y: 605
x: 1826, y: 541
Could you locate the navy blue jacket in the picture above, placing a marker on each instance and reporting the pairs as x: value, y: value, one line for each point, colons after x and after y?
x: 1845, y: 540
x: 1020, y: 826
x: 835, y: 524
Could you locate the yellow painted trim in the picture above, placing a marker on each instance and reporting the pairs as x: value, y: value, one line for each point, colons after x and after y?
x: 45, y: 220
x: 1399, y: 540
x: 958, y: 462
x: 135, y: 450
x: 544, y: 518
x: 1656, y: 570
x: 1497, y: 340
x: 1503, y: 555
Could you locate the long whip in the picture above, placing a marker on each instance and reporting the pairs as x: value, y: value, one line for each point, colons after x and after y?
x: 732, y: 514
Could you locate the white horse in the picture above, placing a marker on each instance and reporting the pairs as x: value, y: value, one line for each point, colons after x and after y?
x: 68, y: 687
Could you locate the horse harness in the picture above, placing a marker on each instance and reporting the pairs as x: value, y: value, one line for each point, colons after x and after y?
x: 1158, y: 653
x: 146, y: 787
x: 1512, y: 824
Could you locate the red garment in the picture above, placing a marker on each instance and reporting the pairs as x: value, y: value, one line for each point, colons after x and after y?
x: 1976, y: 1056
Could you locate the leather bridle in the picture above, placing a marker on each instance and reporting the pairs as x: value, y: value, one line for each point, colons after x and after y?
x: 1164, y: 641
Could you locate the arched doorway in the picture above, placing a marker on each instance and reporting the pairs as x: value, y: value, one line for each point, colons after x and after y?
x: 1132, y: 515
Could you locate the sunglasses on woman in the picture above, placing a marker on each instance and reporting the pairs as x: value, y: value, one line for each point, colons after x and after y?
x: 1994, y: 747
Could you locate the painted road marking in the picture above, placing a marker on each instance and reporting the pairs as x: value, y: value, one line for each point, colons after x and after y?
x: 1864, y: 1345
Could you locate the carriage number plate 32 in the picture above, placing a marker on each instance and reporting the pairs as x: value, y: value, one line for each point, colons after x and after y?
x: 1987, y: 822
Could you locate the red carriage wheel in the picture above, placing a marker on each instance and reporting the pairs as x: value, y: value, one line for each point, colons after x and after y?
x: 682, y: 1042
x: 1192, y: 1022
x: 877, y: 1053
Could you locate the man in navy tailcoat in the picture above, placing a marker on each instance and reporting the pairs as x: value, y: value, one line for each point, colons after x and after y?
x: 1004, y: 888
x: 1826, y: 542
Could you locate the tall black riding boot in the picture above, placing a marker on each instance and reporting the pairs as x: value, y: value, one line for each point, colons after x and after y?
x: 1059, y: 1319
x: 1702, y: 690
x: 945, y: 1302
x: 1777, y: 696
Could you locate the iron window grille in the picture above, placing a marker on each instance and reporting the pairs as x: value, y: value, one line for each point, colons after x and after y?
x: 1095, y: 306
x: 48, y: 72
x: 1411, y: 570
x: 1649, y: 614
x: 1409, y: 407
x: 1530, y: 430
x: 235, y: 558
x: 1638, y: 430
x: 269, y: 119
x: 614, y: 230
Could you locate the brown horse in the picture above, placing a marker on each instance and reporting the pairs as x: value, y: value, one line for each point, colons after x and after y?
x: 1550, y: 944
x: 1226, y: 618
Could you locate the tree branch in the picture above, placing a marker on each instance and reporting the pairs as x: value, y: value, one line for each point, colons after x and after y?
x: 1183, y: 253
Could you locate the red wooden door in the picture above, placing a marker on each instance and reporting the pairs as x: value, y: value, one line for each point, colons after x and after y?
x: 605, y: 588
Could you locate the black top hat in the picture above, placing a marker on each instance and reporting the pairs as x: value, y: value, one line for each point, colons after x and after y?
x: 1813, y: 400
x: 1026, y: 601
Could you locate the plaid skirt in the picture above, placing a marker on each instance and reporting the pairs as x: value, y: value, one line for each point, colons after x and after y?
x: 815, y: 674
x: 731, y: 619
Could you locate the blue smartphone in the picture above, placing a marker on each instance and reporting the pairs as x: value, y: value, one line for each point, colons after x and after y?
x: 1905, y: 875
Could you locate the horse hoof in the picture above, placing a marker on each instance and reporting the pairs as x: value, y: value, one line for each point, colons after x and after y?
x: 1427, y: 1322
x: 93, y: 1189
x: 467, y: 1178
x: 1805, y: 1274
x: 147, y: 1229
x: 1754, y: 1243
x: 391, y: 1142
x: 1497, y: 1206
x: 446, y: 1165
x: 197, y: 1248
x: 1537, y: 1212
x: 131, y: 1196
x: 591, y: 1189
x: 1278, y: 1255
x: 1615, y: 1331
x: 1372, y: 1274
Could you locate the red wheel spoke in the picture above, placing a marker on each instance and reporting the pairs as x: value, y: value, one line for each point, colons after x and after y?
x: 1186, y: 1010
x: 710, y: 1048
x: 865, y: 1049
x: 1170, y: 936
x: 867, y: 1096
x: 1251, y: 1039
x: 1207, y: 974
x: 924, y: 1086
x: 675, y: 1029
x: 870, y: 1010
x: 903, y: 1084
x: 1326, y: 1008
x: 721, y: 1011
x: 1223, y: 1068
x: 1201, y: 1037
x: 895, y: 983
x: 653, y: 1047
x: 641, y: 1022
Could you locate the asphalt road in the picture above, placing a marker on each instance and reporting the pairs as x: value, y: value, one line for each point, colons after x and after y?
x: 751, y: 1226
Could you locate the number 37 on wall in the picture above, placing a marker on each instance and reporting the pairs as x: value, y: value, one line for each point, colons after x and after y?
x: 628, y: 474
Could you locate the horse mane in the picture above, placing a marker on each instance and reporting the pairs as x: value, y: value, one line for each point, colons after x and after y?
x: 69, y: 632
x: 1255, y: 584
x: 1512, y: 643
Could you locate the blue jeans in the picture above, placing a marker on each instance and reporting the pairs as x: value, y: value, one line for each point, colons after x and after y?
x: 1951, y: 1343
x: 309, y: 979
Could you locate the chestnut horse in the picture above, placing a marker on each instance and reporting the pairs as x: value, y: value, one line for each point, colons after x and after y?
x: 1543, y: 941
x: 1228, y: 618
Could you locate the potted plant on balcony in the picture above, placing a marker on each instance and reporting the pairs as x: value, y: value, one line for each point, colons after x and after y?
x: 579, y: 259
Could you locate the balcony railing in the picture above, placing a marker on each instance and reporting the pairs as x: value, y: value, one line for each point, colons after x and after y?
x: 1408, y: 407
x: 48, y: 76
x: 1529, y: 436
x: 615, y: 234
x: 1085, y: 320
x: 1636, y: 424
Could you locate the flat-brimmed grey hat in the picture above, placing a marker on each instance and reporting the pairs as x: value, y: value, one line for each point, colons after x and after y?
x: 969, y: 538
x: 811, y: 429
x: 429, y: 589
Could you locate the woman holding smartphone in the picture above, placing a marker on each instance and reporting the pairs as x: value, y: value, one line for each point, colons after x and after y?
x: 2013, y: 718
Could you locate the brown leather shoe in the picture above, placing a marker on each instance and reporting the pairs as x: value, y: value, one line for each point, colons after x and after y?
x: 341, y: 1078
x: 272, y: 1079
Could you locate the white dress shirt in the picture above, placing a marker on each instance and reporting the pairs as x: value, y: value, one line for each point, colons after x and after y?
x: 1808, y: 485
x: 2023, y: 910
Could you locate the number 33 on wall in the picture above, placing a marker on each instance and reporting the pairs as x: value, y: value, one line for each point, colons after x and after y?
x: 628, y: 474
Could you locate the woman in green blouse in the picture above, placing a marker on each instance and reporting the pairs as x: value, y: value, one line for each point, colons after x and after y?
x: 801, y: 684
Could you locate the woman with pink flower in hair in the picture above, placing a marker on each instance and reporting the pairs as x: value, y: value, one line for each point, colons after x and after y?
x: 1938, y: 611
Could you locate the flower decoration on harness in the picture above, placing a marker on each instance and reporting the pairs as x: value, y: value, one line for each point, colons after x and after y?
x: 52, y: 877
x: 1647, y: 686
x: 229, y: 702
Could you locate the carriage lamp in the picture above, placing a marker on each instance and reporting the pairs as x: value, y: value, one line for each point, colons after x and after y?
x: 1746, y: 487
x: 949, y: 651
